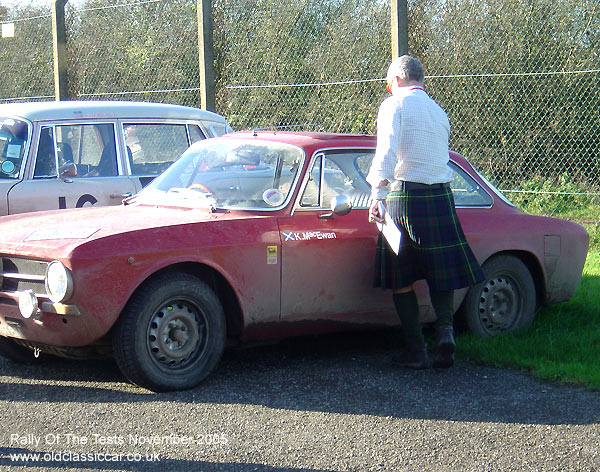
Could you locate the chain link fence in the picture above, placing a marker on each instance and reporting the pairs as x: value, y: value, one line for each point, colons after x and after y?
x: 26, y: 54
x: 138, y: 50
x: 520, y: 79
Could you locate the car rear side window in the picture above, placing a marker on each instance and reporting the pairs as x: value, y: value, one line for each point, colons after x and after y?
x: 196, y: 133
x: 466, y: 191
x: 151, y: 148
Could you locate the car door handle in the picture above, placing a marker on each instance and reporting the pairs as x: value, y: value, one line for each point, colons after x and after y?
x: 121, y: 195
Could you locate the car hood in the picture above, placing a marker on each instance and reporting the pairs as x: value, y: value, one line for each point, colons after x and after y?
x: 57, y: 233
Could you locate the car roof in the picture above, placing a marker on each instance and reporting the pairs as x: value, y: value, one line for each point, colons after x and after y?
x: 308, y: 139
x: 65, y: 110
x: 314, y: 140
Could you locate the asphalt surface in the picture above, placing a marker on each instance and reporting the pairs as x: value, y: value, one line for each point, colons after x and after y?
x: 322, y: 403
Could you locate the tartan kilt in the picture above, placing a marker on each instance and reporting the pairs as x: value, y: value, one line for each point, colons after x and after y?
x: 433, y: 245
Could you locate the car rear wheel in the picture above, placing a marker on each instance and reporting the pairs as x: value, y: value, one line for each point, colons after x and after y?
x: 504, y: 302
x: 171, y: 334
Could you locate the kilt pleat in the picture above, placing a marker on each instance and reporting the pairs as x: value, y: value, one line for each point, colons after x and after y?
x: 433, y: 244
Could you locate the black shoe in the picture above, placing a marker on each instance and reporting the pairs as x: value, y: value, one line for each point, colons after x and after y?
x: 412, y: 358
x: 445, y: 347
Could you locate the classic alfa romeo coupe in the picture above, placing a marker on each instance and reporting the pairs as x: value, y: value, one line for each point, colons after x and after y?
x: 252, y: 236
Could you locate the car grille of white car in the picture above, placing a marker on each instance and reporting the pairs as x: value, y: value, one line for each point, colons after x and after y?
x: 18, y: 274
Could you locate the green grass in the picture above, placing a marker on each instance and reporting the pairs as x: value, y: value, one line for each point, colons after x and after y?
x: 563, y: 343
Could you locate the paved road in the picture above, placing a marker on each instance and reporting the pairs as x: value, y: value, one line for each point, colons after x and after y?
x: 324, y: 403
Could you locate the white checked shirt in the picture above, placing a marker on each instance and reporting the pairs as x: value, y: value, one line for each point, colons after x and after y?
x: 412, y: 141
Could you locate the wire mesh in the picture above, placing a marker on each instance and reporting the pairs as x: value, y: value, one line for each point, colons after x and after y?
x: 142, y: 50
x: 520, y: 79
x: 26, y: 64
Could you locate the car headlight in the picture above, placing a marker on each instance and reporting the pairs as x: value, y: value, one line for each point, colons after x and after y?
x: 59, y: 283
x: 28, y: 303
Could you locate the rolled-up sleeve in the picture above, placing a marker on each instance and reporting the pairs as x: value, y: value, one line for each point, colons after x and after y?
x: 386, y: 153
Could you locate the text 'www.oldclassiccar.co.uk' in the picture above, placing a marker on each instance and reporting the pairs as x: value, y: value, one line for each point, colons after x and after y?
x: 63, y: 440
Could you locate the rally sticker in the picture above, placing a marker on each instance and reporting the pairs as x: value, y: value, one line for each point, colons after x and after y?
x: 273, y: 197
x: 307, y: 236
x: 271, y: 254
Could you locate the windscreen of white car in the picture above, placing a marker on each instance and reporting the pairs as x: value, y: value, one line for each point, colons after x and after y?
x: 236, y: 174
x: 13, y: 142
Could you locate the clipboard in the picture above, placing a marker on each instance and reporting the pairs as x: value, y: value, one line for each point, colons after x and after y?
x: 388, y: 228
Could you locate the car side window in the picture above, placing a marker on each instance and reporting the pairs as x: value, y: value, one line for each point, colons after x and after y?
x: 151, y: 148
x: 91, y: 147
x: 338, y: 173
x: 310, y: 196
x: 466, y: 191
x: 196, y: 133
x: 45, y: 160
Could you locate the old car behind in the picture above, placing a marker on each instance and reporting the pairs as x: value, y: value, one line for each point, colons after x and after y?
x: 81, y: 153
x: 248, y: 237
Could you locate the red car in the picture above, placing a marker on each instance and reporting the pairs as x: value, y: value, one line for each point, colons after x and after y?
x: 246, y: 237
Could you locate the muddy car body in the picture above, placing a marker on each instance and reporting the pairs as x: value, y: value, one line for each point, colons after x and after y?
x: 248, y: 237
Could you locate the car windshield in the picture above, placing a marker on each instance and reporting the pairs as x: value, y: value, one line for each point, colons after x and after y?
x: 13, y: 141
x: 228, y: 173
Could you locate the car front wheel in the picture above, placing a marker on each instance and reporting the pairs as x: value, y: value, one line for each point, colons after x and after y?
x: 171, y: 334
x: 504, y: 302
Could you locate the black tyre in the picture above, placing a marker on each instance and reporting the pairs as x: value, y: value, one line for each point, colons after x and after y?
x: 504, y: 302
x: 171, y: 334
x: 15, y: 352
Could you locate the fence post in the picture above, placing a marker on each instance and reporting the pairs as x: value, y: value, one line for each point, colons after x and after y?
x: 399, y: 11
x: 59, y: 46
x: 206, y: 55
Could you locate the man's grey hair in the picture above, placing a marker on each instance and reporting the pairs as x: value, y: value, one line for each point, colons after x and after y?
x: 407, y: 68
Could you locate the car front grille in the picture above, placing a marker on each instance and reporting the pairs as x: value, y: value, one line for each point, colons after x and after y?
x: 18, y: 274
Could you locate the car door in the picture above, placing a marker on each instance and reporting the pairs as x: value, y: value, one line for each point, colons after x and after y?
x: 327, y: 259
x: 72, y: 165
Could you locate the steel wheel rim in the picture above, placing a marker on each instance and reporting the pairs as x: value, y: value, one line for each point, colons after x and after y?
x: 177, y: 334
x: 499, y: 307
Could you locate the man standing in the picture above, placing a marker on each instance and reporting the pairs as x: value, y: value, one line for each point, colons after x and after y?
x: 412, y: 156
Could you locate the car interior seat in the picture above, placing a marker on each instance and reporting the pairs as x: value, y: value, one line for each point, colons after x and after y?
x: 65, y: 153
x: 107, y: 166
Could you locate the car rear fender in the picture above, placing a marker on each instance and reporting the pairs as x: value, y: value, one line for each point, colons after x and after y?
x: 535, y: 268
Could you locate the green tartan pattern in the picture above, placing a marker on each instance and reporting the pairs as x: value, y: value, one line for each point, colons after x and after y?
x: 433, y: 244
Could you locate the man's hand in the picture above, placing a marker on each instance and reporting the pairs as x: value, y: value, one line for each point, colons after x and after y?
x: 375, y: 215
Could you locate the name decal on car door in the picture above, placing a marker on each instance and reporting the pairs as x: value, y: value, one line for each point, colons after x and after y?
x: 307, y: 235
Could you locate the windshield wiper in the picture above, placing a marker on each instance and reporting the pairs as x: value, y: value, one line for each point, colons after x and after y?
x: 194, y: 194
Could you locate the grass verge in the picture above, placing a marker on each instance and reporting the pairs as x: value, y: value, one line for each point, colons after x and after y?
x: 563, y: 343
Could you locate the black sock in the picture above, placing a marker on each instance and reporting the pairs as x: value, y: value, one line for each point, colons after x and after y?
x: 443, y: 304
x: 407, y: 308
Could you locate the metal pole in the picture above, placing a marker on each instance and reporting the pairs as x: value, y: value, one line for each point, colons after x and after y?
x: 206, y: 55
x: 399, y: 12
x: 59, y: 46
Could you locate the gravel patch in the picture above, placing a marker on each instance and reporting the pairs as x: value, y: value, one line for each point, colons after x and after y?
x: 328, y: 403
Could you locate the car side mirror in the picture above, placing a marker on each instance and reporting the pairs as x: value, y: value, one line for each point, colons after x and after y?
x: 341, y: 205
x: 68, y: 169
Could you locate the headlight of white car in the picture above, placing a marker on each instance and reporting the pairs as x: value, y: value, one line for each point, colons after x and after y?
x: 59, y: 283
